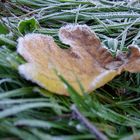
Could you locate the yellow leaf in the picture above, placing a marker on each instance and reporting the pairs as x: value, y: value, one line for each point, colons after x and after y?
x: 86, y: 60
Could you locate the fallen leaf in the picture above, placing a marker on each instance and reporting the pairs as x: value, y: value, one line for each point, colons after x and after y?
x: 87, y: 60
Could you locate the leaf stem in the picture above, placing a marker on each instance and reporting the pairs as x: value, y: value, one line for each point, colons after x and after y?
x: 87, y: 124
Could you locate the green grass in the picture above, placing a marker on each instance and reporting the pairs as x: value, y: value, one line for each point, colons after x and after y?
x: 29, y: 112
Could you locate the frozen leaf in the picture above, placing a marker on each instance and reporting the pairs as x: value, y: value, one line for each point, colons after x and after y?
x: 86, y: 60
x: 28, y: 25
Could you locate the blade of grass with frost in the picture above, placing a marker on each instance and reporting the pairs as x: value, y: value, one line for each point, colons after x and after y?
x: 15, y: 101
x: 19, y: 108
x: 16, y: 93
x: 43, y: 135
x: 38, y: 124
x: 9, y: 58
x: 22, y: 134
x: 7, y: 41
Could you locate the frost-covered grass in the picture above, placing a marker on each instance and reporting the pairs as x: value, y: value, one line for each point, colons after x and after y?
x: 29, y: 112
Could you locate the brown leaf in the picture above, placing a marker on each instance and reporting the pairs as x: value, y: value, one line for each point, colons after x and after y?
x: 86, y: 60
x: 132, y: 61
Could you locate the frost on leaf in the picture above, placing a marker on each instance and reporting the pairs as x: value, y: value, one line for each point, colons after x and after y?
x: 86, y: 60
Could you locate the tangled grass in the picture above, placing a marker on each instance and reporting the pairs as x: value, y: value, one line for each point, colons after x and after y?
x: 29, y: 112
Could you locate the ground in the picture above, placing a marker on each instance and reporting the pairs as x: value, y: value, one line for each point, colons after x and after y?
x: 30, y: 112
